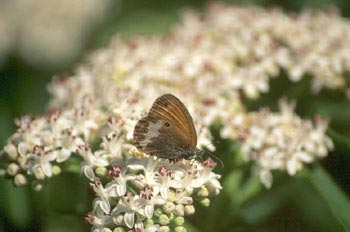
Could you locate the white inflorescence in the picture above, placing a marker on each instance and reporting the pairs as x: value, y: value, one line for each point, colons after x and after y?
x: 206, y: 61
x: 283, y: 141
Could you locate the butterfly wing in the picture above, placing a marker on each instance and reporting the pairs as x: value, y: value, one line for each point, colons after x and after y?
x: 175, y: 112
x: 167, y: 131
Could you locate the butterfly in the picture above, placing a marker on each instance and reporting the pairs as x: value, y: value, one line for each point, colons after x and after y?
x: 167, y: 131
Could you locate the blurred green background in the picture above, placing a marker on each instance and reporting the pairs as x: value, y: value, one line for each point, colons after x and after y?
x: 318, y: 200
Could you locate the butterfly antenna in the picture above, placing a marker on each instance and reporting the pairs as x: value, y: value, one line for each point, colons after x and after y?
x: 215, y: 158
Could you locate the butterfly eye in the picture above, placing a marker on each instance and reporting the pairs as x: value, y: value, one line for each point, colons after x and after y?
x: 166, y: 124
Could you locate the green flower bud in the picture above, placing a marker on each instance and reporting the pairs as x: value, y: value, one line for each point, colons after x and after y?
x: 189, y: 210
x: 179, y: 210
x: 171, y: 196
x: 178, y: 221
x: 148, y: 222
x: 180, y: 229
x: 164, y: 220
x: 101, y: 171
x: 119, y: 229
x: 203, y: 192
x: 20, y: 180
x: 168, y: 207
x: 37, y: 186
x: 163, y: 229
x: 171, y: 216
x: 11, y: 151
x: 12, y: 169
x: 205, y: 202
x: 56, y: 170
x: 158, y: 212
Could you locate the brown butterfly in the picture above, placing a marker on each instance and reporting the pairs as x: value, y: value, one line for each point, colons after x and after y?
x: 167, y: 131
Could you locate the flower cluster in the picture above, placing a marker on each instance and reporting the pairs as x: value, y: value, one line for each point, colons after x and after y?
x: 41, y: 143
x: 207, y: 61
x: 150, y: 194
x: 133, y: 190
x: 284, y: 141
x: 246, y: 46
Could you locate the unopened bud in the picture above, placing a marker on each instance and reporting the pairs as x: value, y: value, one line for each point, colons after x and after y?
x: 189, y: 209
x: 171, y: 196
x: 205, y: 202
x: 11, y: 151
x: 163, y: 229
x: 12, y: 169
x: 148, y: 222
x: 179, y: 210
x: 203, y: 192
x: 180, y: 229
x: 119, y: 229
x: 20, y: 180
x: 164, y: 220
x: 168, y: 207
x: 56, y: 170
x: 178, y: 221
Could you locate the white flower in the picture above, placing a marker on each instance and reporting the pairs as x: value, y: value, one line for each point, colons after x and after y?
x: 91, y: 160
x: 39, y: 162
x: 148, y: 166
x: 128, y: 205
x: 117, y: 186
x: 150, y: 198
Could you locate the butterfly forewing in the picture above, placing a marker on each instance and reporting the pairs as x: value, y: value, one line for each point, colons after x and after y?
x: 175, y: 112
x: 167, y: 131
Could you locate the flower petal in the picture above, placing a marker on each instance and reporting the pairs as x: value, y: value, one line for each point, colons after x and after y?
x: 89, y: 173
x: 47, y: 169
x: 149, y: 210
x: 22, y: 148
x: 121, y: 189
x: 63, y: 155
x: 164, y: 192
x: 129, y: 219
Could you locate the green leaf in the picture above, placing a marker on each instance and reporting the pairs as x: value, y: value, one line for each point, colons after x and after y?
x: 265, y: 204
x: 15, y: 204
x: 249, y: 189
x: 336, y: 199
x: 232, y: 182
